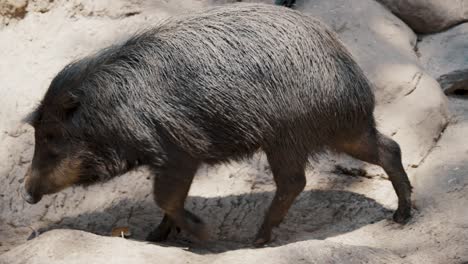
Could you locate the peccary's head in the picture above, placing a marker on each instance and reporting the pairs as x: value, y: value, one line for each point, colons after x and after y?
x: 65, y: 154
x: 57, y: 160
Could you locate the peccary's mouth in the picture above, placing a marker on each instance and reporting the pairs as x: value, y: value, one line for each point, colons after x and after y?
x: 30, y: 198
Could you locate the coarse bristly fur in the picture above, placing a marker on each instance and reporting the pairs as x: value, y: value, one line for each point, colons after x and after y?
x: 213, y: 86
x: 222, y: 84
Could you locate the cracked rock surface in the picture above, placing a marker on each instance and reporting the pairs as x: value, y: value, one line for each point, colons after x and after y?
x: 343, y: 216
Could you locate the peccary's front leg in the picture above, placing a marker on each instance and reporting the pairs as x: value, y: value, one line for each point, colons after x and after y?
x: 171, y: 186
x: 163, y: 230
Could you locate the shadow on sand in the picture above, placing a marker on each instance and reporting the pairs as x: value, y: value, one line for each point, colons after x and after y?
x: 233, y: 220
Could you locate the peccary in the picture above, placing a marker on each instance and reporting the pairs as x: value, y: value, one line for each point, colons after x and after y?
x: 210, y: 87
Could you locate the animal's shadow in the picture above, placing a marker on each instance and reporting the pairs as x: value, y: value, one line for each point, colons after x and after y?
x: 233, y: 220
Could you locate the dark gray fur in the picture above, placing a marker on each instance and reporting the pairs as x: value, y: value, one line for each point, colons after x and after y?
x: 228, y: 81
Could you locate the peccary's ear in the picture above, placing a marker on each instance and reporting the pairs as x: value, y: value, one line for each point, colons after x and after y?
x: 32, y: 118
x: 69, y: 103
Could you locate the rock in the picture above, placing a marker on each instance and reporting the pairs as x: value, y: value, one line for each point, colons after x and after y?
x: 429, y: 16
x: 68, y: 246
x: 455, y: 82
x: 445, y: 52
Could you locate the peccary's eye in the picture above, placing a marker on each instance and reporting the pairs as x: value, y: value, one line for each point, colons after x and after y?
x: 54, y: 150
x: 49, y: 137
x: 53, y: 153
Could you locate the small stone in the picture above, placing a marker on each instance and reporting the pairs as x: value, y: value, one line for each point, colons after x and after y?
x: 123, y: 232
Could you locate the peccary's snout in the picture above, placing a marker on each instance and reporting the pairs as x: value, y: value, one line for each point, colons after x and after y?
x: 29, y: 198
x: 30, y: 191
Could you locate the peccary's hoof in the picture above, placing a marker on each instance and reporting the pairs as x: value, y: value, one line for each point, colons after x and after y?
x: 262, y: 239
x: 158, y: 235
x: 402, y: 216
x: 260, y: 242
x: 201, y: 233
x: 196, y: 226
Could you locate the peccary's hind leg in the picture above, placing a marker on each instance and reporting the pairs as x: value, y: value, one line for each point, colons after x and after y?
x: 171, y: 186
x: 288, y: 172
x: 375, y: 148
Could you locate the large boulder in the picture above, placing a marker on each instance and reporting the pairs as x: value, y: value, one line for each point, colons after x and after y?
x: 429, y: 16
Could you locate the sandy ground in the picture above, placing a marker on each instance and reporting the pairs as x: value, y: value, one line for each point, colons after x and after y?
x: 341, y: 211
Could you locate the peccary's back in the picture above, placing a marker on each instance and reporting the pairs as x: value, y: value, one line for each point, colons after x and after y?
x: 227, y: 81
